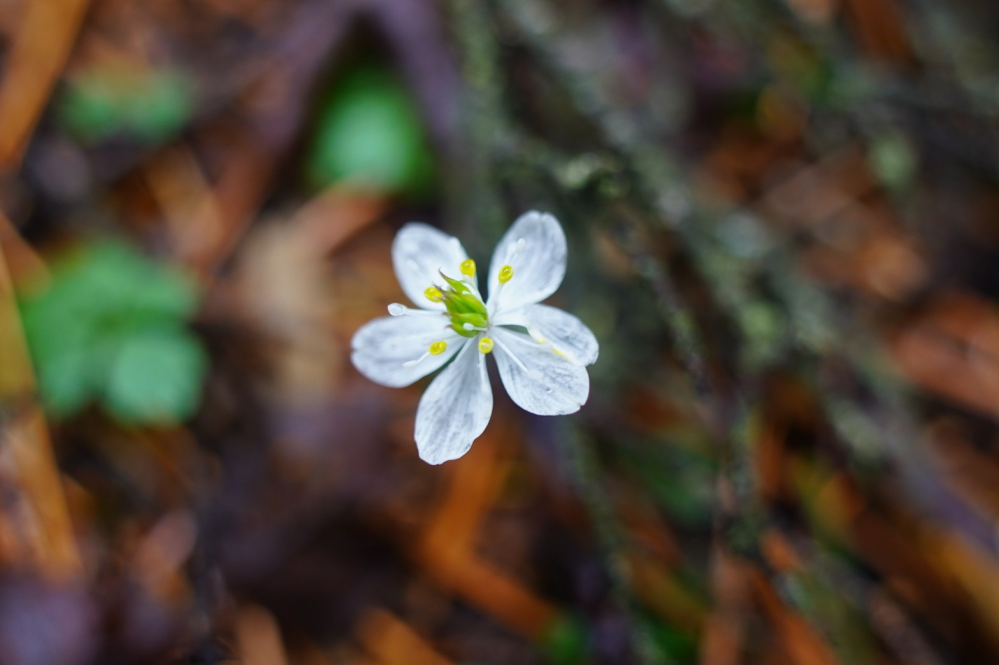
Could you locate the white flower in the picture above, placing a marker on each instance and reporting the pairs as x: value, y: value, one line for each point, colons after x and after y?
x: 541, y: 352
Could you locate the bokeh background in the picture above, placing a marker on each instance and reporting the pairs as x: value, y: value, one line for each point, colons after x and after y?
x: 782, y: 229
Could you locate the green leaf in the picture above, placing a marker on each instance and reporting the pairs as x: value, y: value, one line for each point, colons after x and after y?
x: 674, y: 646
x: 566, y: 641
x: 146, y: 105
x: 893, y: 159
x: 67, y: 381
x: 101, y: 305
x: 89, y: 113
x: 156, y: 378
x: 164, y: 110
x: 370, y: 134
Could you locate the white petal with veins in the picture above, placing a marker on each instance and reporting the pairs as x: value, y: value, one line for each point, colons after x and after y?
x: 535, y: 248
x: 538, y: 379
x: 381, y: 348
x: 455, y: 409
x: 419, y: 253
x: 561, y: 330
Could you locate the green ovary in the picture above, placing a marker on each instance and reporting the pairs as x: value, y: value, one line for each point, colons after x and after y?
x: 463, y: 305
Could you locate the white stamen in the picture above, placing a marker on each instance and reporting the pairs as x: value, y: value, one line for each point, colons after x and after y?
x: 398, y: 309
x: 496, y: 297
x: 531, y: 373
x: 448, y: 337
x: 431, y: 275
x: 536, y: 335
x: 410, y: 363
x: 515, y: 249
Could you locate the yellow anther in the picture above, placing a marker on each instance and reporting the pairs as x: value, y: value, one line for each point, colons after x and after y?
x: 485, y: 345
x: 468, y: 267
x: 433, y: 294
x: 505, y: 274
x: 438, y: 348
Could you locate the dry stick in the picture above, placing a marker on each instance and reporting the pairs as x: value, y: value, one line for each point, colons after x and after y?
x: 664, y: 192
x: 23, y: 262
x: 230, y: 205
x: 35, y: 526
x: 580, y: 452
x: 727, y: 422
x: 860, y: 432
x: 34, y: 521
x: 489, y: 128
x: 736, y: 482
x: 728, y: 419
x: 36, y: 60
x: 731, y: 421
x: 902, y: 94
x: 394, y: 642
x: 486, y: 121
x: 446, y: 549
x: 651, y: 168
x: 890, y: 428
x: 259, y: 637
x: 655, y: 174
x: 725, y: 629
x: 887, y: 618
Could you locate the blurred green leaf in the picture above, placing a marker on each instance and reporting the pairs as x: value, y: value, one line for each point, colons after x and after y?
x: 156, y: 378
x: 762, y: 326
x: 94, y: 329
x: 674, y: 646
x: 148, y: 106
x: 893, y: 159
x: 67, y: 382
x: 566, y: 641
x: 370, y: 133
x: 163, y: 110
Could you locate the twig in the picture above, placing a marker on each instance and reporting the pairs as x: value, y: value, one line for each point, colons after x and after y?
x: 578, y: 450
x: 39, y: 53
x: 482, y: 210
x: 34, y: 518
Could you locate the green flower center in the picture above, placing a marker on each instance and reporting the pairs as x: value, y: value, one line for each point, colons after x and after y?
x: 465, y: 308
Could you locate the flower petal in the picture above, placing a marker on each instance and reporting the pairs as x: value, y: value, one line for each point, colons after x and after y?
x: 561, y: 330
x: 538, y: 379
x: 455, y: 409
x: 381, y: 348
x: 419, y: 253
x: 535, y: 248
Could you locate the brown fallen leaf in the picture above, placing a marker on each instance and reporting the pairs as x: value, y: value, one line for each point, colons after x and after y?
x: 259, y: 637
x: 392, y: 642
